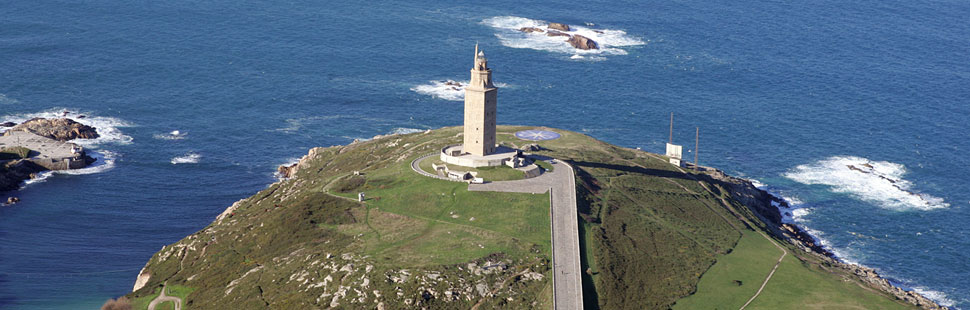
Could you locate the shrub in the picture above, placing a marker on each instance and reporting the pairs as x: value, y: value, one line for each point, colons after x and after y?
x: 121, y: 303
x: 17, y: 152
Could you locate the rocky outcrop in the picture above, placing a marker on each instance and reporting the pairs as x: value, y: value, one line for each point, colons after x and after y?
x: 531, y: 29
x: 8, y: 124
x: 61, y: 129
x: 142, y: 278
x: 582, y: 42
x: 287, y: 172
x: 12, y: 173
x: 871, y: 277
x: 559, y: 26
x: 766, y: 207
x: 553, y: 33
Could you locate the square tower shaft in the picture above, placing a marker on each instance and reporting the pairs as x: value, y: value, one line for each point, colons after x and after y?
x: 480, y: 103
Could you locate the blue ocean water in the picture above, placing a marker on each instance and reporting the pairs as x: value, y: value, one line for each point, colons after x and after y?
x: 788, y: 94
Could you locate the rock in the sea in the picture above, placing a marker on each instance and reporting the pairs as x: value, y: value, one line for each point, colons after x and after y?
x: 559, y: 26
x: 12, y: 200
x: 582, y: 42
x: 553, y: 33
x: 531, y: 29
x: 61, y: 129
x: 8, y: 124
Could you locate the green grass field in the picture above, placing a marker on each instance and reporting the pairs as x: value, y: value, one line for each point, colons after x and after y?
x: 795, y: 285
x: 419, y: 221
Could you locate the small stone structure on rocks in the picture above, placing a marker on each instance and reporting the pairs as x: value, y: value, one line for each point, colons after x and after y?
x: 45, y: 152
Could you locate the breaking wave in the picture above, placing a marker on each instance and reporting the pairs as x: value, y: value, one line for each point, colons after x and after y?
x: 610, y: 41
x: 937, y: 296
x: 879, y: 182
x: 105, y: 160
x: 188, y: 158
x: 41, y: 177
x: 404, y: 131
x: 107, y: 127
x: 173, y: 135
x: 446, y: 89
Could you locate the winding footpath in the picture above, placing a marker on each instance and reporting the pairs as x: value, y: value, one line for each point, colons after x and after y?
x: 567, y: 273
x: 163, y: 298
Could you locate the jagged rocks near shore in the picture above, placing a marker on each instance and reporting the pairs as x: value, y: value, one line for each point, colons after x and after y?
x: 14, y: 172
x: 764, y: 206
x: 60, y: 129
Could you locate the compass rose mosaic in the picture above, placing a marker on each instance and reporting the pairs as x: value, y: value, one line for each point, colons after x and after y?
x: 536, y: 135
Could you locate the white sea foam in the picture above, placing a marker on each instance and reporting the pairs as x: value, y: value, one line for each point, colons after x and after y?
x: 798, y: 212
x: 447, y: 89
x: 610, y: 41
x: 173, y: 135
x: 880, y: 182
x: 107, y: 127
x: 39, y: 178
x: 404, y: 131
x: 105, y: 160
x: 188, y: 158
x: 443, y: 89
x: 937, y: 296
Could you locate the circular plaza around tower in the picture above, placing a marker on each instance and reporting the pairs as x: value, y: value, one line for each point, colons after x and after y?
x: 453, y: 154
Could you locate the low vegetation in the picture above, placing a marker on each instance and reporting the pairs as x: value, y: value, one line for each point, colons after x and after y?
x: 15, y: 152
x: 652, y: 234
x: 121, y: 303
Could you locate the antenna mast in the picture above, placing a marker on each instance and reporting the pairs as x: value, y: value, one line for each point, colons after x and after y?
x: 671, y: 141
x: 697, y: 138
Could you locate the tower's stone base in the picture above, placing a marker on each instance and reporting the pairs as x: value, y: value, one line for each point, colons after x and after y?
x: 454, y: 155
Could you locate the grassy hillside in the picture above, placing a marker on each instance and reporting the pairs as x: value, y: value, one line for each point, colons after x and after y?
x: 651, y: 234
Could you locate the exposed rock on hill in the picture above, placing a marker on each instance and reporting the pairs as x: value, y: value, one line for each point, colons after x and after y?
x: 61, y: 129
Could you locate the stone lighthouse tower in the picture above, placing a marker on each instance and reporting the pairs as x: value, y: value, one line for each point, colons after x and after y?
x: 480, y: 95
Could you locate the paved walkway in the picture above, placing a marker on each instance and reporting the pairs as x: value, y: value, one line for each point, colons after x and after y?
x: 567, y: 274
x: 163, y: 298
x: 416, y: 166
